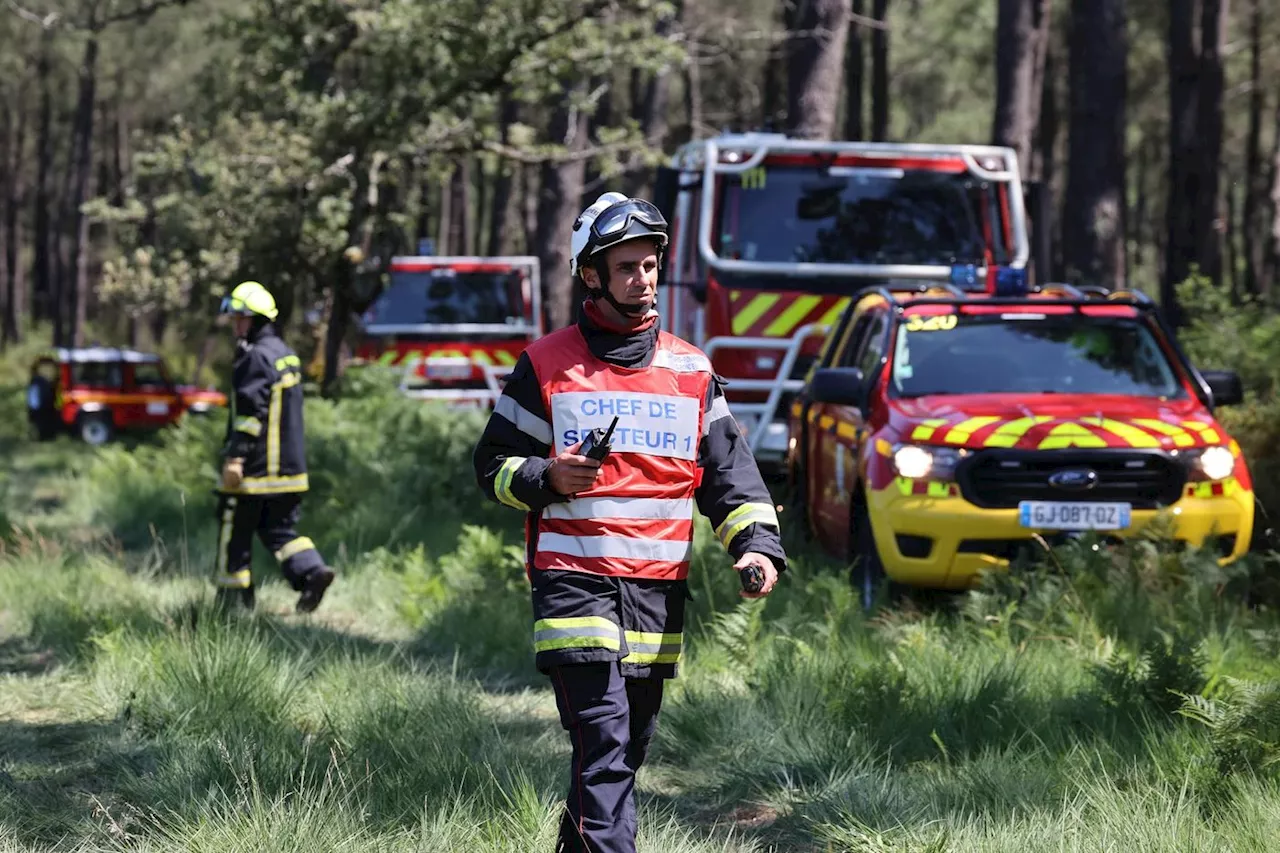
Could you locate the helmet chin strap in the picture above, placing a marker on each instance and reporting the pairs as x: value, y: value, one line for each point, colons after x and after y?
x: 631, y: 311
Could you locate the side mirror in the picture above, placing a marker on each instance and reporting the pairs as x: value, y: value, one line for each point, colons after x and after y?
x: 840, y: 386
x: 1225, y: 386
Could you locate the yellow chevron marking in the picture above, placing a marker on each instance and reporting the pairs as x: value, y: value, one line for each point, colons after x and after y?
x: 505, y: 357
x: 387, y: 358
x: 1180, y: 436
x: 1208, y: 433
x: 883, y: 447
x: 1071, y: 434
x: 830, y: 318
x: 962, y: 431
x: 786, y: 322
x: 826, y: 422
x: 752, y: 311
x: 846, y: 430
x: 1131, y: 434
x: 925, y: 430
x: 1009, y: 434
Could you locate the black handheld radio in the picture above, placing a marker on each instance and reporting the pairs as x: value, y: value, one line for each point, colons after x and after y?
x: 752, y: 577
x: 596, y: 445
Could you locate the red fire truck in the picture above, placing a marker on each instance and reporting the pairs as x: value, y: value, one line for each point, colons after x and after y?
x: 772, y: 235
x: 453, y: 324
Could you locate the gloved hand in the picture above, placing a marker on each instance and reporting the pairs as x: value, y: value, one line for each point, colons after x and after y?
x: 232, y: 474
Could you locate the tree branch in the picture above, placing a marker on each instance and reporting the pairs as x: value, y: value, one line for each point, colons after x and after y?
x: 46, y: 22
x: 141, y: 12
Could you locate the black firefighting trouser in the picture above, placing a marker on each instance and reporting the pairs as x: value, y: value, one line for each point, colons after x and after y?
x: 611, y: 720
x: 273, y: 518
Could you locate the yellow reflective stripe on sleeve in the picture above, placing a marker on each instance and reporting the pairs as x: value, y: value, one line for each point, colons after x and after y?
x: 250, y: 426
x: 926, y: 428
x: 744, y: 516
x: 1208, y: 433
x: 1180, y: 436
x: 1071, y: 435
x: 505, y: 479
x: 295, y: 547
x: 961, y: 432
x: 1128, y: 432
x: 653, y: 647
x: 1009, y: 434
x: 238, y: 580
x: 287, y: 361
x: 289, y: 380
x: 576, y: 632
x: 273, y: 430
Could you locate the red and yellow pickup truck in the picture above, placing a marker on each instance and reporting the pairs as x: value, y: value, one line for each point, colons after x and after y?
x: 941, y: 431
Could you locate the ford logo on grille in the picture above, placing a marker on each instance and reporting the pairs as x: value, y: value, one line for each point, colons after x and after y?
x: 1074, y: 479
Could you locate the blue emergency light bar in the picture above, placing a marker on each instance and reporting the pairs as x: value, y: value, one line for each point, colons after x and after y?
x: 1009, y: 281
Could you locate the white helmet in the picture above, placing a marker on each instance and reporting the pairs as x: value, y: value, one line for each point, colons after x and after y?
x: 611, y: 219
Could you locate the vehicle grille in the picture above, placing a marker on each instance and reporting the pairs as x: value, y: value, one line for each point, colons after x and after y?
x: 999, y: 479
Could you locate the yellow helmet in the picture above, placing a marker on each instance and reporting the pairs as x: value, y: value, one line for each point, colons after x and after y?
x: 249, y: 297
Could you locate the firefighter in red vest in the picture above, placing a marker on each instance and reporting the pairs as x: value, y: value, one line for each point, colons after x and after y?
x: 609, y: 542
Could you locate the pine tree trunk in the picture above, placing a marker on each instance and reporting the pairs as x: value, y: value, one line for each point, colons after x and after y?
x: 44, y: 300
x: 558, y: 206
x: 815, y: 64
x: 1093, y: 219
x: 1022, y: 37
x: 81, y: 165
x: 1184, y: 158
x: 1209, y: 219
x: 1254, y: 181
x: 855, y: 71
x: 1046, y: 168
x: 880, y: 73
x: 1272, y: 271
x: 460, y: 208
x: 508, y: 114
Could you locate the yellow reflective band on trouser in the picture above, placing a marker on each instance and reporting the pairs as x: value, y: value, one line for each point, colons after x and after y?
x: 237, y: 580
x: 1071, y: 435
x: 1180, y: 436
x: 745, y: 515
x: 273, y: 431
x: 1134, y: 436
x: 649, y: 647
x: 249, y: 426
x: 576, y: 632
x: 273, y: 485
x: 925, y: 431
x: 294, y: 548
x: 224, y: 541
x: 503, y: 481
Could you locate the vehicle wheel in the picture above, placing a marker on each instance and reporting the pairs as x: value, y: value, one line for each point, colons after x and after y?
x: 867, y: 572
x: 96, y: 430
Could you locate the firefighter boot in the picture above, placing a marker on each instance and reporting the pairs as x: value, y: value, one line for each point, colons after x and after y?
x: 233, y: 600
x: 313, y: 589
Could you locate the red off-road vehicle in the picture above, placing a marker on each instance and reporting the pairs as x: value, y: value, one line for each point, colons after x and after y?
x: 97, y: 392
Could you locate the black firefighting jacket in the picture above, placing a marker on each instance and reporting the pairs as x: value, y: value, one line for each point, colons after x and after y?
x: 645, y: 609
x: 265, y: 424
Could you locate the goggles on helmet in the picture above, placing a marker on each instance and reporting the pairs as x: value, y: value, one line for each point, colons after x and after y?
x: 234, y: 305
x: 614, y: 221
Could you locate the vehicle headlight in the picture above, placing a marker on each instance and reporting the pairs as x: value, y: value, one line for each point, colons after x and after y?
x: 936, y: 463
x: 1217, y: 463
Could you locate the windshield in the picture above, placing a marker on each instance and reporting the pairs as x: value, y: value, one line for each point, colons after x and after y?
x: 852, y: 215
x: 1030, y: 354
x: 446, y: 297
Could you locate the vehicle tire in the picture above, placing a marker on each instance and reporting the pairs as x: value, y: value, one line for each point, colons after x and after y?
x: 95, y: 430
x: 867, y: 572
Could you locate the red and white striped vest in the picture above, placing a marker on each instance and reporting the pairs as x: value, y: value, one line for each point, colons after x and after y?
x: 637, y: 520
